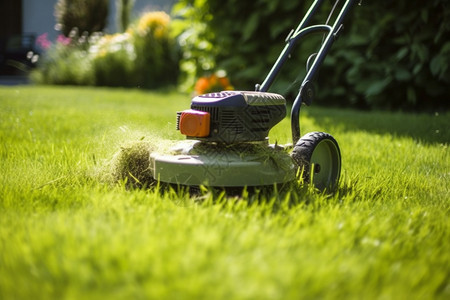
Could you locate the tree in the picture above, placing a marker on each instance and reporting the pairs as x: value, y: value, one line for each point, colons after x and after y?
x: 124, y: 8
x: 85, y: 15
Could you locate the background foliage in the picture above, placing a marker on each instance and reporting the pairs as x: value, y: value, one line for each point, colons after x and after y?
x: 393, y: 55
x: 146, y: 55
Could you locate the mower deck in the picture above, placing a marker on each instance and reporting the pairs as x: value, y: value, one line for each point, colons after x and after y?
x: 197, y: 163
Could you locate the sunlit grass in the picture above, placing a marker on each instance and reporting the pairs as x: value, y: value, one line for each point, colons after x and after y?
x: 65, y: 232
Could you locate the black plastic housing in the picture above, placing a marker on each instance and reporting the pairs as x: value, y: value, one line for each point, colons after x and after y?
x: 240, y: 116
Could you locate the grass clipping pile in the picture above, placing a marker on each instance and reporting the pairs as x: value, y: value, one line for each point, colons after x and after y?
x: 131, y: 164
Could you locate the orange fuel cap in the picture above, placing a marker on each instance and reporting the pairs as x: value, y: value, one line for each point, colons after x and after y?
x: 194, y: 123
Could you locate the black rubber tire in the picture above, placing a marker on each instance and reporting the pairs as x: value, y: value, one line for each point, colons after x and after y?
x: 320, y: 151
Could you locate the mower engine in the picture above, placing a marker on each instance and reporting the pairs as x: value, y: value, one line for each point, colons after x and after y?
x: 232, y: 117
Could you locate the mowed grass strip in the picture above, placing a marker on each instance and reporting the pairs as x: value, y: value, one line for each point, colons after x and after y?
x: 66, y: 231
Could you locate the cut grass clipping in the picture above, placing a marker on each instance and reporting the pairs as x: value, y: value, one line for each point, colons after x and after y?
x: 131, y: 164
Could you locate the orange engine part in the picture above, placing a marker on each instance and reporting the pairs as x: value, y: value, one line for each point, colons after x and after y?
x: 195, y: 123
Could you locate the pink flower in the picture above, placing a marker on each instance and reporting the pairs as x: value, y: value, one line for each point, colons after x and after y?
x: 63, y: 40
x: 43, y: 42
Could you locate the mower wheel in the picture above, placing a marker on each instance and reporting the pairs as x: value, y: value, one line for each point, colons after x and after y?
x: 318, y: 159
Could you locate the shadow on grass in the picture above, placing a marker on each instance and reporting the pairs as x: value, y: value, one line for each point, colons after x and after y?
x: 427, y: 128
x: 273, y: 199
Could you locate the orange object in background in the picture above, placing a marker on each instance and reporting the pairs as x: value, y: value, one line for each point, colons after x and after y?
x: 213, y: 83
x: 194, y: 123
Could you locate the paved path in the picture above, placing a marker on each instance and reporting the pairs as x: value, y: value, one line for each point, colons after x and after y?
x: 14, y: 80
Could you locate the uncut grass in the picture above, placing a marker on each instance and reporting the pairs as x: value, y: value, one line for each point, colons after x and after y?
x: 66, y: 233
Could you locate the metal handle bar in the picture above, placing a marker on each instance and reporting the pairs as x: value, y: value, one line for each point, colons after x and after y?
x: 303, y: 30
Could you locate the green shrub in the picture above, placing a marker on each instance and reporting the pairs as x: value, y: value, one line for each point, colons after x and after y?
x: 87, y: 15
x: 113, y: 60
x: 391, y: 55
x: 156, y: 50
x: 196, y: 40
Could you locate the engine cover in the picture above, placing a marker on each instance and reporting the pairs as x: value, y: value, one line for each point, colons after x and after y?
x: 240, y: 116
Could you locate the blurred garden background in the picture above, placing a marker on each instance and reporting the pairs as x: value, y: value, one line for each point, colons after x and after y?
x: 392, y: 55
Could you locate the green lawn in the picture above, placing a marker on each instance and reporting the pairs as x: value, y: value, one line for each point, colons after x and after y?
x: 66, y: 232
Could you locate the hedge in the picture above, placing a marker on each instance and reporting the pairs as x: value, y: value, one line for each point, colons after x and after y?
x: 391, y: 54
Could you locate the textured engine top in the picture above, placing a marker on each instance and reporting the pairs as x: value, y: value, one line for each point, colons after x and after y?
x: 240, y: 116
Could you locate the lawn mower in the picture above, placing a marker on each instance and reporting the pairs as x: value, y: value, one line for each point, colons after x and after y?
x: 227, y: 132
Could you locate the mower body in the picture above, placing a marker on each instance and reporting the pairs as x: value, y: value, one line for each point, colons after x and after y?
x: 227, y: 142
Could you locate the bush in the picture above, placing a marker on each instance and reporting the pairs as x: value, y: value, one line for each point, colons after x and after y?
x: 156, y: 49
x: 393, y: 57
x: 86, y: 15
x: 113, y: 60
x: 196, y: 40
x: 389, y: 55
